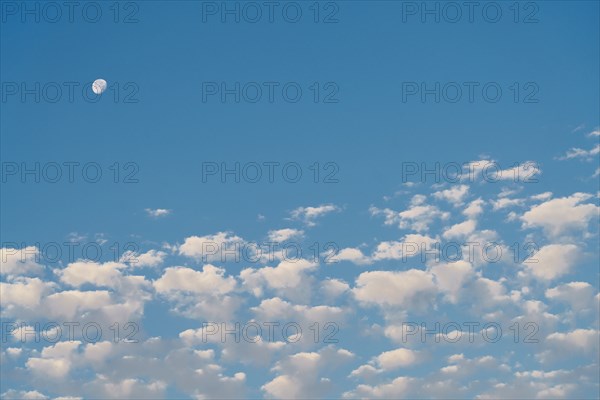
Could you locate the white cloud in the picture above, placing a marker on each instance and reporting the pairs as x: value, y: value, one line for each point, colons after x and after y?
x: 83, y: 272
x: 151, y: 258
x: 454, y: 195
x: 397, y: 358
x: 158, y: 212
x: 24, y: 292
x: 23, y: 261
x: 389, y: 288
x: 353, y: 255
x: 281, y: 235
x: 70, y: 303
x: 288, y: 274
x: 308, y: 215
x: 576, y: 152
x: 474, y: 209
x: 460, y: 230
x: 211, y: 280
x: 410, y: 246
x: 333, y: 288
x: 553, y: 261
x: 580, y: 295
x: 301, y: 375
x: 23, y: 395
x: 561, y: 215
x: 417, y: 217
x: 396, y: 389
x: 211, y: 248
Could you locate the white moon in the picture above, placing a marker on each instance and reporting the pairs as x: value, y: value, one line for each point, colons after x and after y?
x: 99, y: 86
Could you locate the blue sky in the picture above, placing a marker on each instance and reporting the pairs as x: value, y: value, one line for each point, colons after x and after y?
x: 159, y: 127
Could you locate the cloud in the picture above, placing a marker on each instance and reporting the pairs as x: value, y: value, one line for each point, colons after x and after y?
x: 474, y: 209
x: 398, y: 358
x: 460, y: 230
x: 594, y: 133
x: 207, y: 294
x: 561, y: 215
x: 580, y: 295
x: 211, y: 280
x: 301, y: 375
x: 211, y: 248
x: 308, y: 215
x: 353, y: 255
x: 281, y: 235
x: 576, y: 152
x: 396, y: 389
x: 395, y: 288
x: 86, y: 272
x: 24, y: 292
x: 417, y: 217
x: 287, y: 275
x: 454, y: 195
x: 333, y: 288
x: 151, y: 258
x: 157, y: 212
x: 411, y: 245
x: 22, y: 261
x: 23, y: 395
x: 553, y: 261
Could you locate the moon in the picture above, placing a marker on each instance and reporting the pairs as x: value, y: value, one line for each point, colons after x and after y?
x: 99, y: 86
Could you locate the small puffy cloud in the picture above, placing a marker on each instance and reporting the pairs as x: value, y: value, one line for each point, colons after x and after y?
x: 301, y: 375
x: 157, y: 212
x: 151, y: 258
x: 353, y: 255
x: 276, y: 309
x: 70, y: 303
x: 417, y: 217
x: 24, y: 292
x: 281, y: 235
x: 552, y: 261
x: 85, y: 272
x: 55, y: 361
x: 288, y: 274
x: 333, y: 288
x: 399, y: 388
x: 397, y: 358
x: 474, y: 209
x: 505, y: 202
x: 562, y: 215
x: 308, y: 215
x: 395, y: 288
x: 23, y: 261
x: 365, y: 371
x: 410, y: 246
x: 204, y: 294
x: 576, y: 152
x: 460, y: 230
x: 23, y: 395
x: 210, y: 248
x: 582, y: 340
x: 580, y: 295
x: 451, y: 277
x: 594, y: 133
x: 455, y: 195
x: 211, y: 280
